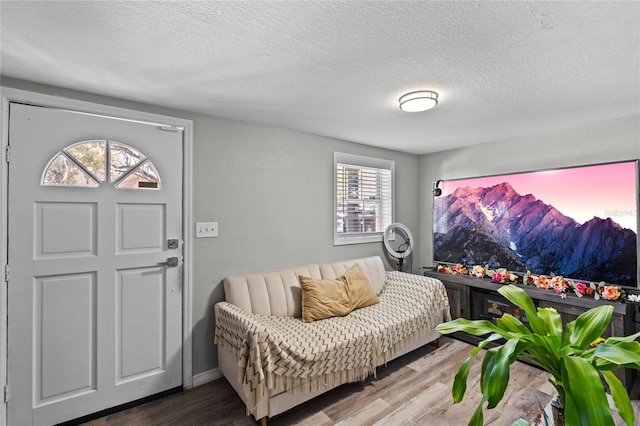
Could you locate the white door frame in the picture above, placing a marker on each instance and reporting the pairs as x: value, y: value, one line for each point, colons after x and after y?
x: 15, y: 95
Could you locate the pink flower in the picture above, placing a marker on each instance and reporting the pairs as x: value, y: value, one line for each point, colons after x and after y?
x: 459, y: 269
x: 581, y: 288
x: 610, y: 292
x: 502, y: 276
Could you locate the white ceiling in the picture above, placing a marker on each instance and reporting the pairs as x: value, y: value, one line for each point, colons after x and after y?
x: 337, y: 68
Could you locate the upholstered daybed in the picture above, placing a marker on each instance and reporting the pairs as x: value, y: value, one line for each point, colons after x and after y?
x: 276, y: 358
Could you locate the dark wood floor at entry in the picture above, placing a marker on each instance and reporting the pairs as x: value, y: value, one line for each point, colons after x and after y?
x: 412, y: 390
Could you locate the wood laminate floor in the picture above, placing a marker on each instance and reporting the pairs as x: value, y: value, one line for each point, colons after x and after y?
x: 412, y: 390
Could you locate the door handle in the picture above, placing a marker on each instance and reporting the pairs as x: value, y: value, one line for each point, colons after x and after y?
x: 171, y: 262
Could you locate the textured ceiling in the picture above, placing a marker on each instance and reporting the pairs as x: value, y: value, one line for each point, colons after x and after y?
x: 336, y: 68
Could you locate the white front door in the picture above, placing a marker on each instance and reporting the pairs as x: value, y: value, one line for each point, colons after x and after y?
x: 94, y: 294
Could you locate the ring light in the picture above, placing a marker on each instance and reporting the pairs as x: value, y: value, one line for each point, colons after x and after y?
x: 398, y: 253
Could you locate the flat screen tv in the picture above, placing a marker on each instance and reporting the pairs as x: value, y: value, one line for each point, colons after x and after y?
x: 578, y: 222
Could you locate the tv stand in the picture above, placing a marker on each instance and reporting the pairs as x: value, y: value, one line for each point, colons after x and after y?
x: 478, y: 298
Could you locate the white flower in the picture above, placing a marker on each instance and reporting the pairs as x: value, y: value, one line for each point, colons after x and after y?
x: 634, y: 298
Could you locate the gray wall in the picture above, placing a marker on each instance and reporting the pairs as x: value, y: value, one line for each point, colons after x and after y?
x: 597, y: 142
x: 271, y: 192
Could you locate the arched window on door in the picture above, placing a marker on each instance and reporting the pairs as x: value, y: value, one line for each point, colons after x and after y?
x: 94, y: 162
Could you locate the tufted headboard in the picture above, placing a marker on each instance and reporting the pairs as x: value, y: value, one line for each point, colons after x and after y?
x: 278, y: 292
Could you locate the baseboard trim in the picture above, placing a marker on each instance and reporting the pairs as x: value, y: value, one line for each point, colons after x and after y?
x: 207, y: 376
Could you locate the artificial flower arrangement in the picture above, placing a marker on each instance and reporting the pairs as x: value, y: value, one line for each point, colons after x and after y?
x: 500, y: 275
x: 563, y: 285
x: 557, y: 283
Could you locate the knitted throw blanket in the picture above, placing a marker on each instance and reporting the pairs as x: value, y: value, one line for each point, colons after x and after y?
x: 284, y: 354
x: 410, y: 306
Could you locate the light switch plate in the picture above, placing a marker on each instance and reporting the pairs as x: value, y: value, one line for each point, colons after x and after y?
x: 206, y: 229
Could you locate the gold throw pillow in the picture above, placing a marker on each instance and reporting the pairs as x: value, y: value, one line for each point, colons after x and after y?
x: 361, y: 293
x: 323, y: 298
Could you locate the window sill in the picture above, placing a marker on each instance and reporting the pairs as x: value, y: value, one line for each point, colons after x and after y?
x: 357, y: 239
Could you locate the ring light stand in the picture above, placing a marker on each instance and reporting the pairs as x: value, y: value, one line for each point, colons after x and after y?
x: 403, y: 249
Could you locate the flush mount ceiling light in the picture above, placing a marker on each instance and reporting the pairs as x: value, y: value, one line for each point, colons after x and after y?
x: 418, y: 101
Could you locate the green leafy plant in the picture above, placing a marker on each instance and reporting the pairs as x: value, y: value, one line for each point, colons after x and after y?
x: 577, y: 359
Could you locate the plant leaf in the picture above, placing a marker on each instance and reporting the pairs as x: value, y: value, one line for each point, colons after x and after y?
x: 460, y: 380
x: 571, y: 414
x: 552, y: 320
x: 521, y: 298
x: 474, y: 327
x: 478, y: 418
x: 495, y: 371
x: 459, y: 387
x: 512, y: 324
x: 486, y: 341
x: 586, y: 400
x: 568, y: 332
x: 590, y: 325
x: 620, y: 397
x: 618, y: 354
x: 625, y: 339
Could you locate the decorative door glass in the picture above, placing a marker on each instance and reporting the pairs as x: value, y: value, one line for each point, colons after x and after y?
x: 93, y: 162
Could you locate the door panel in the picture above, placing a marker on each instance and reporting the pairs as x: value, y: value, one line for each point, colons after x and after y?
x: 140, y: 228
x: 95, y: 313
x: 65, y: 230
x: 64, y: 335
x: 141, y: 325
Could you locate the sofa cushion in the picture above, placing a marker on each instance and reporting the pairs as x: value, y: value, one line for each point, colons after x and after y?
x: 372, y: 267
x: 322, y: 299
x: 360, y: 292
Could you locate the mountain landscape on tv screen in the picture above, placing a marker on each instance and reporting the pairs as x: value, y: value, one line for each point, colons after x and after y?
x: 498, y: 227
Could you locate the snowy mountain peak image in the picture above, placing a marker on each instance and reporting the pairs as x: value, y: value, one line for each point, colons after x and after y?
x: 498, y: 227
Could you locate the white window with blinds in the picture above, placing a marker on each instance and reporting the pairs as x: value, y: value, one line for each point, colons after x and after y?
x: 363, y: 198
